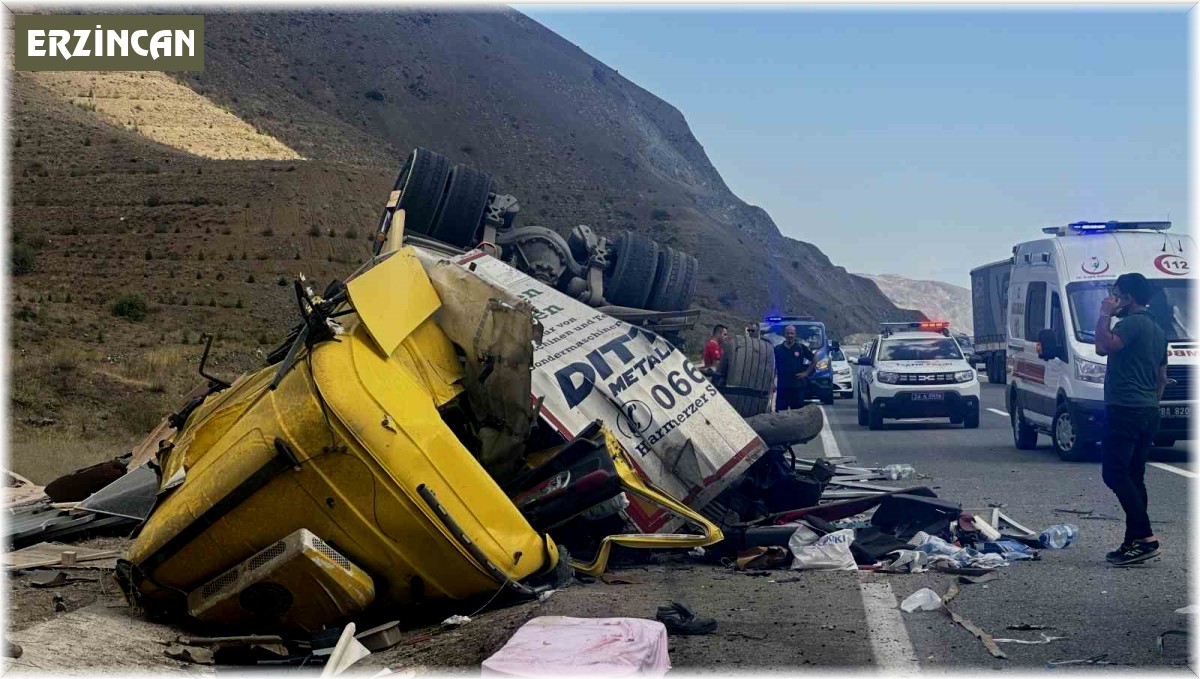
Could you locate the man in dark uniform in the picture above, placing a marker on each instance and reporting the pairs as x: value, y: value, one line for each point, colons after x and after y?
x: 1133, y: 386
x: 794, y: 364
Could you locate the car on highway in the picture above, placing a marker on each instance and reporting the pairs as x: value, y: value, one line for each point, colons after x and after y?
x: 811, y: 332
x: 843, y: 378
x: 916, y: 370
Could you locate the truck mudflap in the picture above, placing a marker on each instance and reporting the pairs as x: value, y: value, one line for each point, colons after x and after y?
x: 682, y: 436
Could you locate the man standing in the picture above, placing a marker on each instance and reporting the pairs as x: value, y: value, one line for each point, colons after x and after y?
x: 752, y: 331
x: 1133, y: 386
x: 794, y: 364
x: 712, y: 350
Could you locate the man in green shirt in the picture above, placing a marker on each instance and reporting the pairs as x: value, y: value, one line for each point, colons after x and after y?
x: 1133, y: 385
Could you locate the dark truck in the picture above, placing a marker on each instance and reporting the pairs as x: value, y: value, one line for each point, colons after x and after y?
x: 989, y: 304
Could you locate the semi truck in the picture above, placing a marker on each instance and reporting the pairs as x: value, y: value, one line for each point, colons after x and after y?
x: 989, y: 304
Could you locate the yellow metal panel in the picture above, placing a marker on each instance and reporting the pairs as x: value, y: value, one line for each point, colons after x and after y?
x: 392, y: 298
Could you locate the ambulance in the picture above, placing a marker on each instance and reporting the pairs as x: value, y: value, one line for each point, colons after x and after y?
x: 1055, y: 377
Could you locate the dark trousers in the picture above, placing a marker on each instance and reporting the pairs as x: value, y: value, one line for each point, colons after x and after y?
x: 1128, y: 435
x: 790, y: 398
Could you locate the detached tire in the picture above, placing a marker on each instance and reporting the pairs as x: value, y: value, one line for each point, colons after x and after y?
x: 422, y: 183
x: 674, y: 280
x: 747, y: 368
x: 632, y: 276
x: 460, y: 214
x: 788, y: 426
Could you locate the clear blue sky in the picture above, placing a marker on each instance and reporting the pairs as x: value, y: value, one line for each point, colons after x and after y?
x: 920, y: 143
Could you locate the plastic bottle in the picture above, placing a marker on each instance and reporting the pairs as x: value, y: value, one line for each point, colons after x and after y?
x: 1059, y: 535
x: 895, y: 472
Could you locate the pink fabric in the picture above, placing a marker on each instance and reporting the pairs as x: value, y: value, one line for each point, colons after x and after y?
x: 555, y: 646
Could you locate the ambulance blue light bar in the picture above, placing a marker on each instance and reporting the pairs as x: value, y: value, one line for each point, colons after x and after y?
x: 1094, y: 227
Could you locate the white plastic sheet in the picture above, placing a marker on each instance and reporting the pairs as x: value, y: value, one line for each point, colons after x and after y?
x: 557, y: 646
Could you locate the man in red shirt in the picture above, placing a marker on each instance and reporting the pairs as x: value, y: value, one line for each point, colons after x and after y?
x: 712, y: 350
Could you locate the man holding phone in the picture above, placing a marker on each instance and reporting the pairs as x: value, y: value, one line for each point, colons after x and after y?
x: 1133, y: 386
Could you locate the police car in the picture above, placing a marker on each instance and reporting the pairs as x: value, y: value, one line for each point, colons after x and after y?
x: 916, y: 370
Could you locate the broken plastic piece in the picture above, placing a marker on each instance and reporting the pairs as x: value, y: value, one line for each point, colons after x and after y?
x: 455, y: 621
x: 1044, y: 640
x: 923, y: 599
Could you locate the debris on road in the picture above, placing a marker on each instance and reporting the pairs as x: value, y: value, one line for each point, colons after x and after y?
x: 456, y: 621
x: 1036, y: 642
x: 556, y: 646
x: 51, y: 555
x: 1026, y: 627
x: 1098, y: 659
x: 679, y: 619
x: 924, y: 599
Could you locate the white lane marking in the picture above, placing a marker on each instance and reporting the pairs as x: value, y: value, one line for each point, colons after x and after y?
x: 1174, y: 470
x: 828, y: 442
x: 1001, y: 413
x: 893, y: 650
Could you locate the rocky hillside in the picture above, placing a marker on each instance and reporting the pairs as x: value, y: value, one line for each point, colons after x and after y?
x: 941, y: 301
x: 147, y: 209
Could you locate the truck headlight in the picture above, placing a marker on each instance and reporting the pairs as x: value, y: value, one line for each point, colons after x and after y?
x: 1089, y: 371
x: 964, y: 375
x: 887, y: 377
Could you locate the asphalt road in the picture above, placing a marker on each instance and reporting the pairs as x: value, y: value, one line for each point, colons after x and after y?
x: 1100, y: 609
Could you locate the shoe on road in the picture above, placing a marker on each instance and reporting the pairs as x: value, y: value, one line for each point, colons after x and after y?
x: 1136, y: 553
x: 1117, y: 552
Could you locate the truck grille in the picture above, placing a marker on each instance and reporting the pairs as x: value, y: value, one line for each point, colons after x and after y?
x: 1182, y: 389
x: 926, y: 378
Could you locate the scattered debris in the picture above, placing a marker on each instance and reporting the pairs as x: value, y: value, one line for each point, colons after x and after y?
x: 81, y: 483
x: 20, y: 491
x: 984, y: 637
x: 347, y: 652
x: 1026, y: 627
x: 56, y: 579
x: 60, y: 604
x: 1044, y: 640
x: 1094, y: 660
x: 1170, y: 632
x: 1188, y: 610
x: 679, y: 619
x: 191, y: 654
x: 50, y: 555
x: 924, y: 599
x: 455, y: 621
x: 978, y: 579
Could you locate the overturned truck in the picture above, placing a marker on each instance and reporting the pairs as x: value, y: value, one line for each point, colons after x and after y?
x: 438, y: 426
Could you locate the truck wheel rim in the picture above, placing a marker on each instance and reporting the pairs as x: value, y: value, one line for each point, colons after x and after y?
x: 1064, y: 433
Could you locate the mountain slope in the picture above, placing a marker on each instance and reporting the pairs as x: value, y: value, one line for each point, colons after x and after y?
x: 572, y: 138
x: 205, y: 205
x: 935, y: 299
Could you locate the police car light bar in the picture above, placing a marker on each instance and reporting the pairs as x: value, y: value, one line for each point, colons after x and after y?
x: 1093, y: 227
x: 942, y: 326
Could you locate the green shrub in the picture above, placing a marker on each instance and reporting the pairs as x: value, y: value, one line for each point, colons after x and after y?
x: 24, y: 258
x: 130, y: 306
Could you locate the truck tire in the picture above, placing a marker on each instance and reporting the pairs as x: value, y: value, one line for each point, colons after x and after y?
x: 1000, y: 368
x: 1067, y: 443
x: 632, y: 274
x: 788, y: 426
x: 674, y: 280
x: 422, y: 183
x: 746, y: 369
x: 1024, y: 434
x: 460, y: 214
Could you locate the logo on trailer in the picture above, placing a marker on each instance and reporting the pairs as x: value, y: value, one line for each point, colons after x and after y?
x: 1095, y: 266
x: 1172, y: 265
x: 635, y: 418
